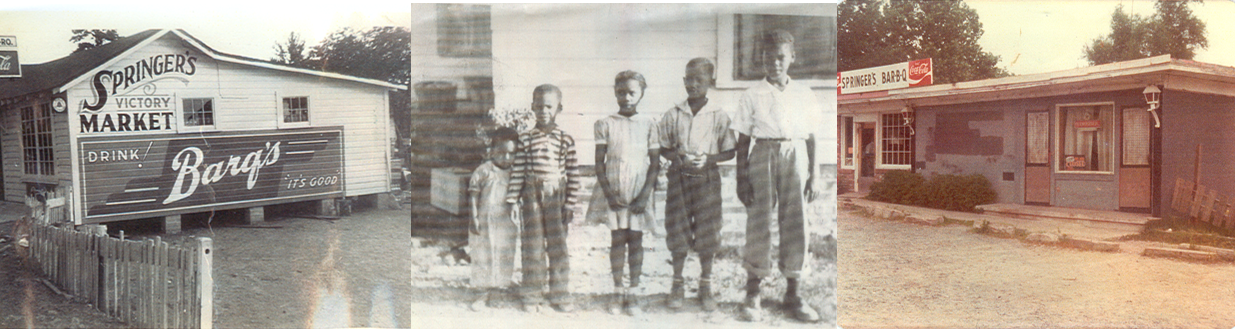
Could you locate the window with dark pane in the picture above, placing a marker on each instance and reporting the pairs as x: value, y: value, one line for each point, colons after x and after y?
x: 36, y: 140
x: 198, y: 112
x: 896, y: 144
x: 295, y: 109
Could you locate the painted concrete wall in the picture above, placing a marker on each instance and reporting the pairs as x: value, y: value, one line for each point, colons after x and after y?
x: 1191, y: 119
x: 580, y: 48
x: 988, y: 138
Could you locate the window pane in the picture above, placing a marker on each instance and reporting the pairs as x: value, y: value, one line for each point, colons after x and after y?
x: 895, y: 142
x: 1037, y: 137
x: 1086, y: 138
x: 1136, y: 136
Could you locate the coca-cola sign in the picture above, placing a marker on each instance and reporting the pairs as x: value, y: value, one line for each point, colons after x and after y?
x: 921, y: 72
x: 125, y: 178
x: 895, y: 76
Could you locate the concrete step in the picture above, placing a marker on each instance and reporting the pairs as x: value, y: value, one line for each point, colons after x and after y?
x: 1045, y: 212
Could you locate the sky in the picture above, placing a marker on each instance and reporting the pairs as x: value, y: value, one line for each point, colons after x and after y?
x: 43, y: 30
x: 1045, y: 36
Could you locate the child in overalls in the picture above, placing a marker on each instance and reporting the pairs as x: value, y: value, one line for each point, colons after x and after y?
x: 627, y: 163
x: 545, y: 181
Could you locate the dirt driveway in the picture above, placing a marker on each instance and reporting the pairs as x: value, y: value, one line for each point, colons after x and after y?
x: 894, y: 274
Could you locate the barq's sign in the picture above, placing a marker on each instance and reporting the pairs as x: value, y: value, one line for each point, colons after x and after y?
x: 137, y: 178
x: 901, y: 75
x: 146, y: 110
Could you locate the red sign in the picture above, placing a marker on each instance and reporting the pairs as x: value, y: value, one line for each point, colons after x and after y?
x: 134, y: 177
x: 1075, y: 162
x: 1087, y: 124
x: 921, y: 72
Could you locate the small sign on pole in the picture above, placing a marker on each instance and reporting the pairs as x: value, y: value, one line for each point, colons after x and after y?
x: 9, y: 65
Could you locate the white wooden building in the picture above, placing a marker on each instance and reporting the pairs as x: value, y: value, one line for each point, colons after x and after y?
x: 158, y: 124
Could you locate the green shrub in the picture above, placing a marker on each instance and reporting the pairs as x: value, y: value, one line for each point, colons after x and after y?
x: 948, y: 192
x: 955, y: 192
x: 897, y: 186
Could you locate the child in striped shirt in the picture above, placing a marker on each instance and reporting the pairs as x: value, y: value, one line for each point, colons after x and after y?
x: 545, y: 183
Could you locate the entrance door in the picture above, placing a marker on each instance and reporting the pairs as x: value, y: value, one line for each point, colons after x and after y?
x: 1037, y: 158
x: 868, y: 150
x: 1135, y: 179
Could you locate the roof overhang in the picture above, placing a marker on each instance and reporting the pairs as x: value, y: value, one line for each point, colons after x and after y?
x: 222, y: 57
x: 1181, y: 75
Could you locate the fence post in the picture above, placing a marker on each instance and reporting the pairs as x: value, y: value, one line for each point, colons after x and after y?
x: 205, y: 283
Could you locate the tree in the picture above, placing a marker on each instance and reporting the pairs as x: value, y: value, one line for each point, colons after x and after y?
x: 381, y: 53
x: 292, y: 52
x: 874, y: 33
x: 1171, y: 30
x: 96, y: 37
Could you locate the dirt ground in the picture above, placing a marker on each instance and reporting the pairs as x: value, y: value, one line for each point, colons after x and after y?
x: 290, y: 273
x: 26, y: 302
x: 899, y: 275
x: 441, y: 292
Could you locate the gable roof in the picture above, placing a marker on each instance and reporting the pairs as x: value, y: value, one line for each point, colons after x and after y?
x: 39, y: 77
x: 60, y: 74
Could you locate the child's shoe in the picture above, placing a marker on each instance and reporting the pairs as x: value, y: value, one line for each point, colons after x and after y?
x: 705, y: 295
x: 632, y: 305
x: 615, y: 304
x: 676, y: 295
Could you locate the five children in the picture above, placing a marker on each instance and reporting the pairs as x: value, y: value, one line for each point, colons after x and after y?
x: 777, y: 125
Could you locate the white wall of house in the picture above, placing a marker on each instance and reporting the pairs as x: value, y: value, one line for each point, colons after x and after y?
x: 580, y: 48
x: 428, y: 65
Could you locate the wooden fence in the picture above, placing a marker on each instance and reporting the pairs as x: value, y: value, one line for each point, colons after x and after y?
x: 1203, y: 204
x: 146, y: 284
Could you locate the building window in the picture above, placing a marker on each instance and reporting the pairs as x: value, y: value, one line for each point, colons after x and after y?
x: 1136, y: 129
x: 1085, y: 142
x: 895, y: 142
x: 847, y: 138
x: 198, y: 112
x: 36, y: 140
x: 295, y: 109
x: 463, y: 30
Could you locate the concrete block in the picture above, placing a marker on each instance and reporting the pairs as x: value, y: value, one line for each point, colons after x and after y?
x: 1002, y: 229
x: 925, y: 220
x: 327, y: 207
x: 1043, y: 237
x: 1225, y: 254
x: 1180, y: 254
x: 1093, y: 245
x: 171, y: 224
x: 255, y: 215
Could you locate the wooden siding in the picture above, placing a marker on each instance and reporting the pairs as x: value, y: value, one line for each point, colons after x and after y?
x: 15, y: 177
x: 248, y: 98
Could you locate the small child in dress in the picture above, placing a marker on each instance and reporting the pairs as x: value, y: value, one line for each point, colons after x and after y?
x: 627, y: 163
x: 494, y: 228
